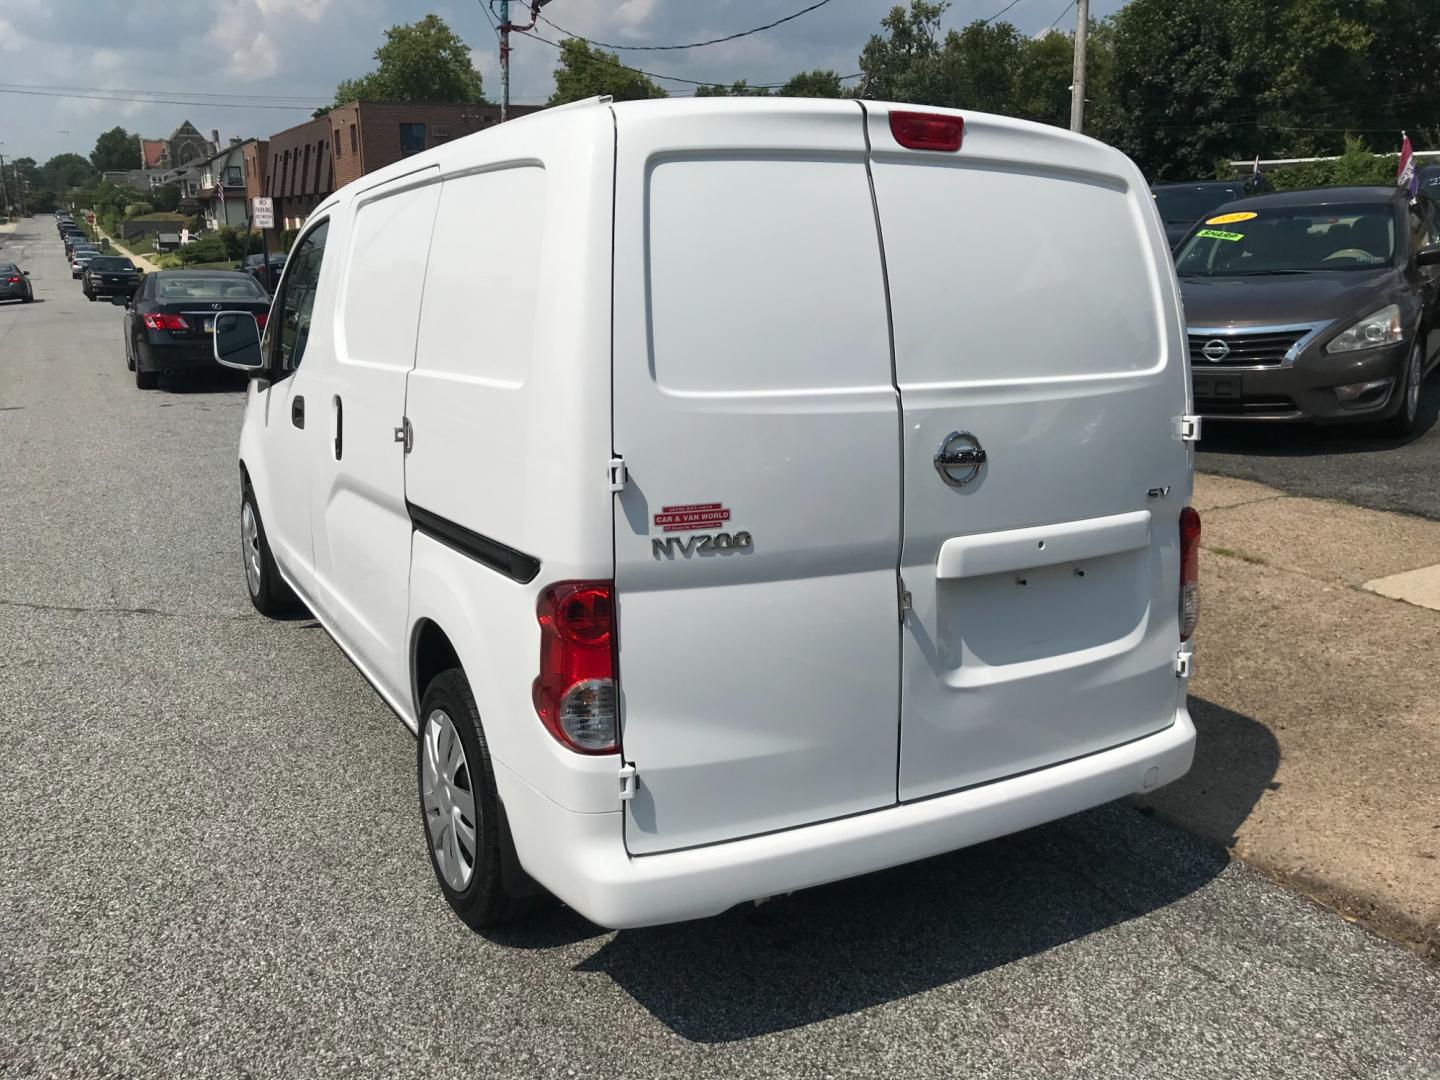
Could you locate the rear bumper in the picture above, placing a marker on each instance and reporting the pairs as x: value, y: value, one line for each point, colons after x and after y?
x: 1304, y: 391
x: 581, y: 858
x: 172, y: 356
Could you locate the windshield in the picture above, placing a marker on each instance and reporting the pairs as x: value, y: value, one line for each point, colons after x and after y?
x: 111, y: 264
x: 1291, y: 240
x: 1191, y: 204
x: 209, y: 288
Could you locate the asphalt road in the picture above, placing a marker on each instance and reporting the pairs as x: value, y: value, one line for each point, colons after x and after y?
x: 1352, y: 464
x: 211, y: 861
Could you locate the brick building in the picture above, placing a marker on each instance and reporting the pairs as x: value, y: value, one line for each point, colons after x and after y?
x: 309, y: 161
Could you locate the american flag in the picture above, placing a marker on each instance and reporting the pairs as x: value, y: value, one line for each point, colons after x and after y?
x: 1406, y: 176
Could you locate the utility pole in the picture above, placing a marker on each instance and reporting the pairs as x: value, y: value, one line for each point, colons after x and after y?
x: 1077, y: 89
x: 4, y: 199
x: 504, y: 60
x: 505, y: 28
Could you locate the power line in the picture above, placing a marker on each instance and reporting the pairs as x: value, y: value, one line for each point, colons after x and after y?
x: 667, y: 78
x: 691, y: 44
x: 188, y: 93
x: 1063, y: 12
x: 1002, y: 11
x: 159, y: 101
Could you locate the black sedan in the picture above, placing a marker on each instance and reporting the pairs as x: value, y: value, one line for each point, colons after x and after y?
x: 255, y: 266
x: 1182, y: 205
x: 1320, y: 305
x: 15, y: 283
x: 170, y: 322
x: 109, y: 275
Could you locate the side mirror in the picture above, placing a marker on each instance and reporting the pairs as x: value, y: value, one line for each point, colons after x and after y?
x: 237, y: 342
x: 1428, y: 255
x: 25, y: 272
x: 120, y: 299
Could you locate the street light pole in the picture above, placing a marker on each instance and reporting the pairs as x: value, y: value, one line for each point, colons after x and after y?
x: 1077, y: 89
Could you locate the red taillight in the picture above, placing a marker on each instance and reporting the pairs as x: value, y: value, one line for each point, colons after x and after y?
x: 927, y: 131
x: 575, y: 691
x: 261, y: 318
x: 12, y: 281
x: 162, y: 321
x: 1189, y: 571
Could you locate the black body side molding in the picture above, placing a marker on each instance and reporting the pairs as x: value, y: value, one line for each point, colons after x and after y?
x: 515, y: 565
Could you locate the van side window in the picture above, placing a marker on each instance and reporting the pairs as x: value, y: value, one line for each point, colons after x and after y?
x: 297, y: 297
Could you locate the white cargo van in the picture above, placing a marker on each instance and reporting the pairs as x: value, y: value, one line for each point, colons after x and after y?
x: 736, y: 495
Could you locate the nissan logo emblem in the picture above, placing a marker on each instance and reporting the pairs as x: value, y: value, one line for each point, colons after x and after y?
x: 1215, y: 350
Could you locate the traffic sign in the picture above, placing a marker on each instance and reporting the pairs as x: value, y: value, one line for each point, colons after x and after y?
x: 262, y: 213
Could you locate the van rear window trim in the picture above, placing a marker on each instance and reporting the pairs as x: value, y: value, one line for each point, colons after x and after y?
x: 515, y: 565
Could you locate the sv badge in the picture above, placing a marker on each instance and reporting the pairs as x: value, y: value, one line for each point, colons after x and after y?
x: 700, y: 544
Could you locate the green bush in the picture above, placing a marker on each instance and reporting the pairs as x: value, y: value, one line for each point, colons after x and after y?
x: 1356, y: 166
x: 168, y: 261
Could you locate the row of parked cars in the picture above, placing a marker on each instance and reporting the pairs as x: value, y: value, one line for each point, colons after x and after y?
x: 1319, y: 305
x: 169, y: 316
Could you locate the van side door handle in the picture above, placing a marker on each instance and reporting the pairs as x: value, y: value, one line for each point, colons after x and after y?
x: 297, y: 411
x: 339, y: 427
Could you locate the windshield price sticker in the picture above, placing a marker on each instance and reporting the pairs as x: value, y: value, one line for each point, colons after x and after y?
x: 1231, y: 219
x: 1220, y: 234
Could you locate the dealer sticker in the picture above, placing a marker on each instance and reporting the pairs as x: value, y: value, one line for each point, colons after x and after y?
x: 1231, y: 219
x: 1220, y: 234
x: 691, y: 516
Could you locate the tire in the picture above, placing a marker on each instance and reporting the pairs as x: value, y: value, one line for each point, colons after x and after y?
x: 453, y: 742
x: 29, y: 298
x: 268, y: 591
x: 90, y: 296
x: 129, y: 356
x: 1403, y: 423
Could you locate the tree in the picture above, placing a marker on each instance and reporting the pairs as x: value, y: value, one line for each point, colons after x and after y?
x: 822, y: 84
x: 166, y: 197
x: 421, y: 61
x: 585, y: 72
x: 65, y: 171
x: 900, y: 64
x: 739, y: 88
x: 116, y: 149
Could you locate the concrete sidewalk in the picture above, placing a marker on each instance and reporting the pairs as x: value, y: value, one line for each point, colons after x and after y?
x: 1314, y: 696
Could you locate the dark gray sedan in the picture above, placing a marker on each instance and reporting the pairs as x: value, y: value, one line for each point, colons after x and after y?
x: 15, y: 283
x: 1319, y: 305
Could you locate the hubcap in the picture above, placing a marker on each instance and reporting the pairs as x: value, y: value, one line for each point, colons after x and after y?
x: 250, y: 546
x: 1412, y: 388
x: 448, y: 800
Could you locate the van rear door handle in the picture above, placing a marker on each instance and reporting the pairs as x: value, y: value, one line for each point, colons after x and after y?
x: 297, y: 411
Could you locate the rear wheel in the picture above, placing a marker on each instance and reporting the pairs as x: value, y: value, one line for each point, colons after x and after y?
x: 460, y: 806
x: 268, y: 591
x: 1403, y: 422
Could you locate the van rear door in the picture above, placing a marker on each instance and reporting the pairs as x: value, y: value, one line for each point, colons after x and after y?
x: 758, y: 536
x: 1038, y: 346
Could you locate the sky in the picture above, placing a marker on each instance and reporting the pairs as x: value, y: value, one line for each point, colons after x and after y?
x: 220, y: 61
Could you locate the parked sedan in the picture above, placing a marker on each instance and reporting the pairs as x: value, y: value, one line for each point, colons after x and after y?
x: 109, y: 275
x: 15, y: 283
x: 170, y: 322
x: 80, y: 257
x: 254, y: 265
x: 1320, y: 305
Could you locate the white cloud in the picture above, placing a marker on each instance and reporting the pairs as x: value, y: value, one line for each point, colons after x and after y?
x: 249, y: 52
x: 313, y: 10
x: 11, y: 40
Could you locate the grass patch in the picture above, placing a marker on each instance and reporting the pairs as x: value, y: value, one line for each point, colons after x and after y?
x: 1231, y: 553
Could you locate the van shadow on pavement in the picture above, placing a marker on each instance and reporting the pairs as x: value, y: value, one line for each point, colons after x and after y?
x: 1236, y: 759
x: 842, y: 948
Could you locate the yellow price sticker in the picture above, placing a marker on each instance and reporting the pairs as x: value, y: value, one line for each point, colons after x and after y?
x: 1231, y: 219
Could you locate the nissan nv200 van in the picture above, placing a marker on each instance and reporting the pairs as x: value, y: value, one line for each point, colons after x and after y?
x: 735, y: 495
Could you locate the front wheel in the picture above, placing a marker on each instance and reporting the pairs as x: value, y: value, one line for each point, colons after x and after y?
x: 1403, y: 422
x: 268, y: 591
x: 460, y: 806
